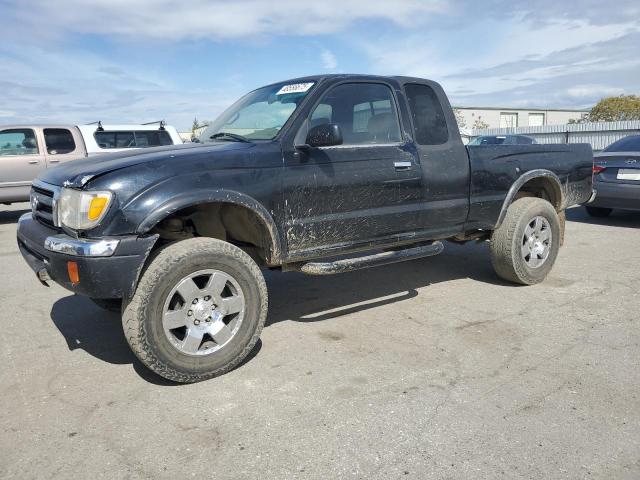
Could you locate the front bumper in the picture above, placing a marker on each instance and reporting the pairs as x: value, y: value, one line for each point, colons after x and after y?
x: 108, y: 268
x: 623, y: 196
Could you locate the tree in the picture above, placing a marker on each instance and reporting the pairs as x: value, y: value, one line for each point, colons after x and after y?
x: 195, y: 126
x: 459, y: 118
x: 612, y: 109
x: 480, y: 124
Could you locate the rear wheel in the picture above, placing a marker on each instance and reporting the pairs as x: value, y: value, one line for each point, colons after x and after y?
x: 524, y: 248
x: 598, y: 211
x: 198, y: 310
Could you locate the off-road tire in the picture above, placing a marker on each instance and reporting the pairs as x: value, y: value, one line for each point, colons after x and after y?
x: 110, y: 304
x: 506, y: 241
x: 598, y: 212
x: 142, y: 315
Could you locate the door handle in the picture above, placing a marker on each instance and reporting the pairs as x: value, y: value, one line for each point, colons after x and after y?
x: 54, y: 161
x: 33, y: 162
x: 402, y: 165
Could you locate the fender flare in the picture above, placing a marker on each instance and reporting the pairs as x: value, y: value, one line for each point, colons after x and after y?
x: 200, y: 197
x: 524, y: 178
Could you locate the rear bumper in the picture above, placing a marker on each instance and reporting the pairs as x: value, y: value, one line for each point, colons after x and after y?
x: 108, y: 268
x: 623, y: 196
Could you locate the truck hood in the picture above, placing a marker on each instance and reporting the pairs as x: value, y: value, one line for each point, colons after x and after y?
x: 78, y: 173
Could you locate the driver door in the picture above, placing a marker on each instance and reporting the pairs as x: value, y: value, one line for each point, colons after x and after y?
x: 343, y: 197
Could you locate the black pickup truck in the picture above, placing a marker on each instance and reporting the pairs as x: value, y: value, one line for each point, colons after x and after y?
x: 320, y: 174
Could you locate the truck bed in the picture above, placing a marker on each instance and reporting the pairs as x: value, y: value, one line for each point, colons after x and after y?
x: 495, y: 169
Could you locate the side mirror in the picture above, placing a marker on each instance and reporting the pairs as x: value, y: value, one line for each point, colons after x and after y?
x: 325, y: 135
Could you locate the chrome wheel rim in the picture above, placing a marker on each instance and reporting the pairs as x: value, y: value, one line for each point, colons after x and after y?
x: 203, y: 312
x: 536, y: 242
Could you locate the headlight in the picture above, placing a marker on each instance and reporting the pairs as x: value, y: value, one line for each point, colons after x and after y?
x: 80, y: 210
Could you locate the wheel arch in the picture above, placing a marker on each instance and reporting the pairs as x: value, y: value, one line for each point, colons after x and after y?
x: 219, y: 199
x: 535, y: 183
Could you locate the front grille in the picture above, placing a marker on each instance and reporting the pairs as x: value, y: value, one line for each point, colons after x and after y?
x: 43, y: 203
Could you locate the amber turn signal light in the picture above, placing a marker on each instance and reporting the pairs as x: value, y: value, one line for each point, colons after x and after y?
x: 74, y: 275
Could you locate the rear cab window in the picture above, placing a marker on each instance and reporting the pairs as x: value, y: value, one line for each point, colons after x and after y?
x: 429, y: 121
x: 59, y: 141
x: 18, y: 141
x: 132, y: 139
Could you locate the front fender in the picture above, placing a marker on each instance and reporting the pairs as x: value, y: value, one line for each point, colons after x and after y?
x: 199, y: 197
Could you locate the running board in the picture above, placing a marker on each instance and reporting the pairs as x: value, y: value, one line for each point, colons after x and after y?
x: 384, y: 258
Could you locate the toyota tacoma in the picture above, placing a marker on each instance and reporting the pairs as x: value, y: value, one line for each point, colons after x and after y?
x: 323, y: 175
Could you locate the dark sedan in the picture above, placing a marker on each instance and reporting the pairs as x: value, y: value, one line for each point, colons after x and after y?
x: 616, y: 177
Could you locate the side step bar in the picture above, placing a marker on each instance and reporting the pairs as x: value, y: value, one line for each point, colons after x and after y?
x: 384, y: 258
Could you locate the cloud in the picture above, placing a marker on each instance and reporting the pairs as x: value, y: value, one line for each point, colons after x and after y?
x: 532, y: 54
x: 329, y: 60
x: 169, y: 20
x: 593, y: 91
x: 80, y: 88
x: 149, y: 59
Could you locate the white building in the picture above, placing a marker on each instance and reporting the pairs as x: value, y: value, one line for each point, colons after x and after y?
x: 492, y: 117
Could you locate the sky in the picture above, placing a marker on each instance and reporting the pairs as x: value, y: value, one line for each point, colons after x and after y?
x: 135, y: 61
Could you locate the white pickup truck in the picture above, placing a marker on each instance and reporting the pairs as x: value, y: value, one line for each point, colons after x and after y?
x: 27, y: 150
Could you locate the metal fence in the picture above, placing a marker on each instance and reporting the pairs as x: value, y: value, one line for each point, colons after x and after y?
x: 599, y: 135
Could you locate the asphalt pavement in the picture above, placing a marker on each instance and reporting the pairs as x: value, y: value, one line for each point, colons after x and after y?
x: 433, y: 368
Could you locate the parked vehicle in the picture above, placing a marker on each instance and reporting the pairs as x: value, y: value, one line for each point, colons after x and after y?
x: 27, y: 150
x: 616, y: 178
x: 503, y: 140
x: 289, y: 177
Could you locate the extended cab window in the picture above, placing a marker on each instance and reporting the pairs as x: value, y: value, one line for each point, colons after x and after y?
x: 59, y: 141
x: 130, y: 139
x: 428, y: 117
x: 18, y: 141
x: 365, y: 112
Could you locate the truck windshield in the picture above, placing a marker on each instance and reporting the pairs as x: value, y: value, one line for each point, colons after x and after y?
x: 259, y: 115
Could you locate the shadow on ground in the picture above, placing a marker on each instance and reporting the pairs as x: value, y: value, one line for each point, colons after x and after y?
x: 618, y: 218
x: 293, y: 296
x: 99, y: 333
x: 11, y: 216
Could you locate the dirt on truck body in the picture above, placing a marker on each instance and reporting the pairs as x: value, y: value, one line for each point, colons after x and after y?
x: 323, y: 175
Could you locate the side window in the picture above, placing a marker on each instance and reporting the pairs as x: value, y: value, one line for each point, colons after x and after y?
x: 105, y: 139
x: 59, y: 141
x: 18, y: 141
x: 365, y: 112
x: 131, y: 139
x: 322, y: 114
x: 125, y: 140
x: 153, y: 138
x: 428, y: 117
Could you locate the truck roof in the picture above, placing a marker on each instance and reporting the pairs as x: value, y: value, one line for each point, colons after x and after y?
x: 354, y: 76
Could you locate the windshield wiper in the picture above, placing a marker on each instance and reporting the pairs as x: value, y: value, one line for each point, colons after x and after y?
x: 230, y: 136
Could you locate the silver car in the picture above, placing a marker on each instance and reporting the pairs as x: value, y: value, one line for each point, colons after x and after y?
x: 27, y: 150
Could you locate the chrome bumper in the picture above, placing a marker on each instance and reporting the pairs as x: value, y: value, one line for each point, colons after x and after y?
x: 80, y: 248
x: 74, y: 246
x: 594, y: 193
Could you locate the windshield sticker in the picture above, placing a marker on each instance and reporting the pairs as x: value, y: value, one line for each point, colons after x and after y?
x: 295, y: 88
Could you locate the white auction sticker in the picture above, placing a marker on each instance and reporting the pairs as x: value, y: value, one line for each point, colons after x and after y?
x: 295, y: 88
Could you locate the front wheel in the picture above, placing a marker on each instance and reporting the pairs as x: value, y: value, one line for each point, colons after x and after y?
x: 524, y: 248
x: 198, y: 310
